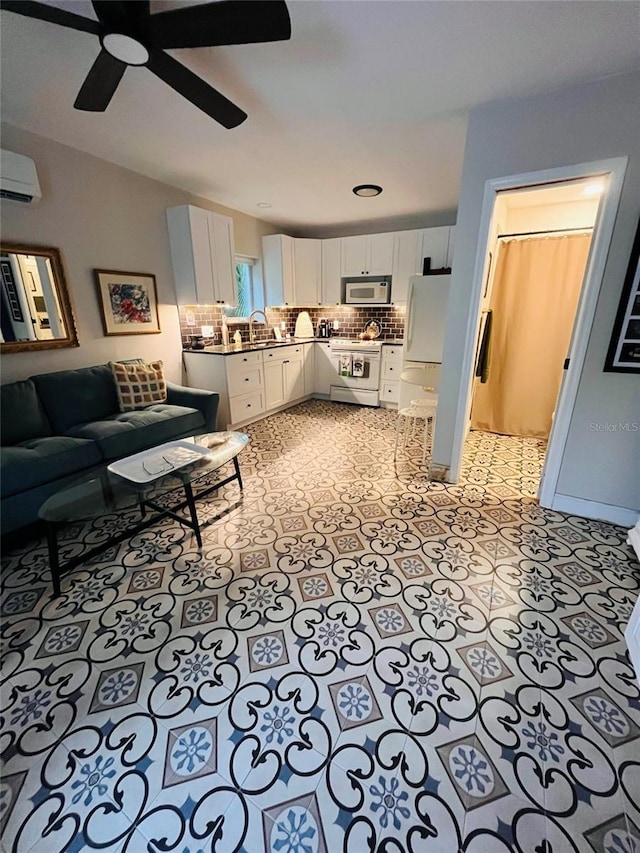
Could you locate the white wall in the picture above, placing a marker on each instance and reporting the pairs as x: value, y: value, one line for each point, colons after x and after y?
x: 574, y: 125
x: 103, y: 217
x: 543, y: 217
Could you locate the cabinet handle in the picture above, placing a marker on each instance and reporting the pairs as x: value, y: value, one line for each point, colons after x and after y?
x: 248, y: 405
x: 244, y: 359
x: 246, y: 378
x: 286, y: 361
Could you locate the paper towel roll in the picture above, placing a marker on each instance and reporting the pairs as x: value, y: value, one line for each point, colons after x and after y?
x: 304, y: 326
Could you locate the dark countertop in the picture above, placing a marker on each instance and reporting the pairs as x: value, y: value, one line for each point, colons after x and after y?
x: 219, y: 349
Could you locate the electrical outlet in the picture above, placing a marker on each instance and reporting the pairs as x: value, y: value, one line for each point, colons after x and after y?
x: 207, y: 331
x: 191, y: 318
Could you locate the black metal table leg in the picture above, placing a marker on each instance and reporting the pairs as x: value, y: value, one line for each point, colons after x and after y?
x: 236, y: 465
x: 54, y: 560
x: 195, y: 524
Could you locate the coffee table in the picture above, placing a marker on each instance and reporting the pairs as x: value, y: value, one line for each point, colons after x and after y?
x: 104, y: 492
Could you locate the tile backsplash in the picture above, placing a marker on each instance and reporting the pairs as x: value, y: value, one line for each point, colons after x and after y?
x: 352, y: 321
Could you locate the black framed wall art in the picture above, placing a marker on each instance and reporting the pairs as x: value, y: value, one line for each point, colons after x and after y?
x: 623, y: 355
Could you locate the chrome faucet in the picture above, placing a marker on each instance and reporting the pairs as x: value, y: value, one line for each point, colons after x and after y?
x: 252, y: 334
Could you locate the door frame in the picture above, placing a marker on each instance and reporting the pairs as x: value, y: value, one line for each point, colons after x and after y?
x: 614, y: 170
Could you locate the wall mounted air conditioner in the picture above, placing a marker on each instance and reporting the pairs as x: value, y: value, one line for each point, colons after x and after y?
x: 18, y: 178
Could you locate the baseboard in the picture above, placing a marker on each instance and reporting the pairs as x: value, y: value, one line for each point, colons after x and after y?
x: 440, y: 473
x: 593, y: 509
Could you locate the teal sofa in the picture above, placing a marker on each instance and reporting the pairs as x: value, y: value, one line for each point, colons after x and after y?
x: 56, y: 426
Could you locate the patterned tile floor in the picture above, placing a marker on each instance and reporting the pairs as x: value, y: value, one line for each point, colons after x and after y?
x: 358, y: 660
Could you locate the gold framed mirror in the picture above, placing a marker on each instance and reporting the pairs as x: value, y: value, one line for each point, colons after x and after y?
x: 35, y: 308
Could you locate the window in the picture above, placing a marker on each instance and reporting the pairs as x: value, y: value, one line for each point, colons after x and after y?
x: 249, y: 293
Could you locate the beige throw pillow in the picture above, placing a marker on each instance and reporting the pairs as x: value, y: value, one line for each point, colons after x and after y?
x: 139, y: 385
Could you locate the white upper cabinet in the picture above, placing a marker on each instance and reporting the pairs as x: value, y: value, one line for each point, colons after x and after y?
x: 202, y: 255
x: 433, y: 243
x: 292, y: 270
x: 405, y: 263
x: 368, y: 254
x: 223, y: 257
x: 381, y: 248
x: 277, y: 265
x: 354, y: 255
x: 307, y: 271
x: 331, y: 250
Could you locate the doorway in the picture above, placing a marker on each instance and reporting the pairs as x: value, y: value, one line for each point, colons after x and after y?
x: 611, y: 172
x: 536, y: 261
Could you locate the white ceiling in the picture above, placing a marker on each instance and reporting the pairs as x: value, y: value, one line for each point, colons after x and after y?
x: 366, y: 91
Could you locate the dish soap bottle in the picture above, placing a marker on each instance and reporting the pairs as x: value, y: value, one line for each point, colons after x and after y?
x: 237, y: 339
x: 225, y: 332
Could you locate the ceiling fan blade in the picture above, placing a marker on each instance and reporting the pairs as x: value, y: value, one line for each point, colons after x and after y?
x: 100, y: 83
x: 43, y: 12
x: 194, y: 89
x: 222, y: 22
x: 118, y: 14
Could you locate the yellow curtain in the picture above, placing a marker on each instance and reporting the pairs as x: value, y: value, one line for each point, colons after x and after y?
x: 534, y: 300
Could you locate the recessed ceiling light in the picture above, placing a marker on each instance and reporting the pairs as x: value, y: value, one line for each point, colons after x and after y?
x: 593, y: 189
x: 367, y: 190
x: 263, y: 204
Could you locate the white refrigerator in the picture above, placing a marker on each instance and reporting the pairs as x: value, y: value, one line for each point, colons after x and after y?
x: 424, y: 331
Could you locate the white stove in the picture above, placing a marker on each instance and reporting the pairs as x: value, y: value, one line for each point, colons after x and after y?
x: 347, y: 344
x: 357, y: 371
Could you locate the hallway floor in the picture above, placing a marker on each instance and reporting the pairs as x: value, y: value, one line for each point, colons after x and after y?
x: 359, y: 660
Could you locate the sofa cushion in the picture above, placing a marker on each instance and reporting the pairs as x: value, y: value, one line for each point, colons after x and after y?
x: 128, y: 432
x: 21, y: 412
x: 41, y: 460
x: 73, y: 397
x: 139, y: 385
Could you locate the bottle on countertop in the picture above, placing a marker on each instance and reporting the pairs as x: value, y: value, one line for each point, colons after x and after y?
x: 225, y: 333
x: 237, y: 339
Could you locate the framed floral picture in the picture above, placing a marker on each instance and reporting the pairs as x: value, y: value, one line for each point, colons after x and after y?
x: 129, y: 302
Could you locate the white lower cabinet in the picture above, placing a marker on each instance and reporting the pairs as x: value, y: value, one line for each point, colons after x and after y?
x: 324, y: 369
x: 309, y: 362
x: 274, y: 384
x: 391, y: 369
x: 238, y: 378
x: 284, y: 375
x: 252, y: 383
x: 294, y: 378
x: 245, y: 408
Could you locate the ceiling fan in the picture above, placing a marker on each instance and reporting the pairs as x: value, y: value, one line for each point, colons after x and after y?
x: 130, y: 35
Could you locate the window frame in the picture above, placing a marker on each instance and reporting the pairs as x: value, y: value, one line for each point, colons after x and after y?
x: 256, y: 295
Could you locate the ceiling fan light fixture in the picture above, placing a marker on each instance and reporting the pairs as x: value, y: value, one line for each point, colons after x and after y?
x: 126, y: 49
x: 367, y: 190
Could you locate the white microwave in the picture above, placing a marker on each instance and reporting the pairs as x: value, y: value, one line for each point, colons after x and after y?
x: 367, y: 292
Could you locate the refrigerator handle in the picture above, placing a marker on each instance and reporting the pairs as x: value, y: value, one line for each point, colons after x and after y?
x: 410, y: 318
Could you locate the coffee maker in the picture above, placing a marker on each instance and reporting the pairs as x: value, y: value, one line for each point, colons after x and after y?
x: 323, y: 328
